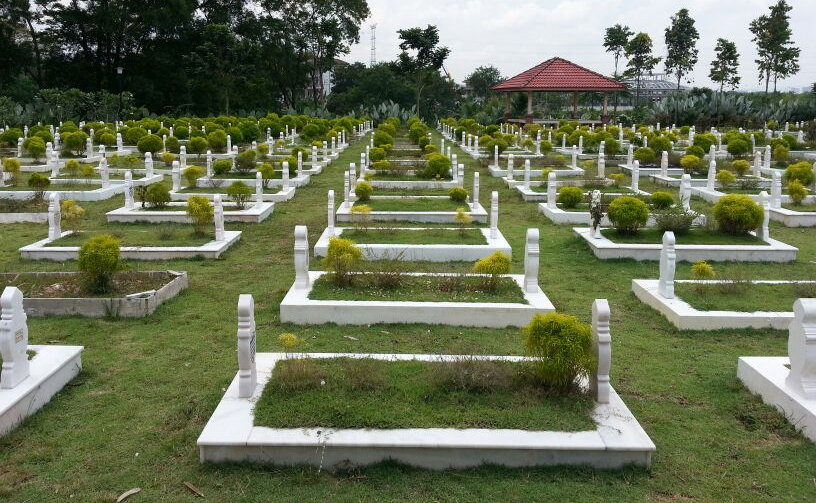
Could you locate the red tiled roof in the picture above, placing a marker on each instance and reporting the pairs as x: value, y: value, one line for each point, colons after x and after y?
x: 558, y: 74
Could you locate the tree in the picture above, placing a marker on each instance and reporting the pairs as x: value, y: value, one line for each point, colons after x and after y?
x: 615, y: 41
x: 725, y: 65
x: 777, y: 57
x: 428, y: 60
x: 483, y: 79
x: 639, y: 53
x: 681, y: 45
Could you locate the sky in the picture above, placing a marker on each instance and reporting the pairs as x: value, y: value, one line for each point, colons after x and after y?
x: 516, y: 35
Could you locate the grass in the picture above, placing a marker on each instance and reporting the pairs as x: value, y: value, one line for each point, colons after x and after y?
x: 454, y: 288
x: 137, y: 234
x: 222, y: 190
x: 71, y: 286
x: 415, y: 394
x: 430, y: 236
x: 692, y: 237
x: 53, y: 187
x: 801, y: 207
x: 413, y: 204
x: 148, y: 386
x: 743, y: 296
x: 609, y: 189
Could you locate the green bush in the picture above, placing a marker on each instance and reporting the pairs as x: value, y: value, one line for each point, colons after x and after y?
x: 659, y: 145
x: 702, y: 270
x: 545, y: 146
x: 704, y: 141
x: 12, y: 166
x: 780, y: 153
x: 35, y: 146
x: 39, y: 183
x: 342, y: 259
x: 801, y: 172
x: 198, y: 146
x: 691, y: 163
x: 134, y: 134
x: 376, y: 154
x: 738, y: 147
x: 570, y: 197
x: 72, y: 167
x: 741, y: 166
x: 222, y: 166
x: 695, y: 151
x: 75, y: 142
x: 797, y: 192
x: 98, y: 261
x: 387, y: 128
x: 491, y: 146
x: 382, y: 138
x: 628, y: 214
x: 738, y: 214
x: 107, y: 139
x: 363, y: 191
x: 245, y: 161
x: 173, y: 144
x: 192, y: 174
x: 381, y: 165
x: 662, y: 200
x: 458, y: 194
x: 149, y: 143
x: 611, y: 146
x: 240, y: 193
x: 726, y: 178
x: 217, y: 140
x: 200, y: 212
x: 417, y: 131
x: 562, y: 350
x: 675, y: 219
x: 437, y: 166
x: 645, y: 155
x: 157, y: 195
x: 492, y: 267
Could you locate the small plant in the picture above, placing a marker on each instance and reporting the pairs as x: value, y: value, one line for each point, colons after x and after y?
x: 342, y: 259
x: 192, y: 174
x: 726, y: 178
x: 289, y: 342
x: 98, y: 261
x: 437, y: 166
x: 570, y: 197
x: 381, y: 165
x: 87, y: 172
x: 200, y: 212
x: 562, y: 350
x: 738, y: 147
x: 361, y: 217
x: 462, y: 219
x: 458, y: 194
x: 240, y: 193
x: 72, y: 167
x: 72, y: 213
x: 35, y: 146
x: 674, y: 219
x: 168, y: 158
x: 662, y: 200
x: 702, y: 271
x: 780, y: 153
x: 797, y: 192
x: 245, y: 161
x: 691, y: 163
x: 38, y: 183
x: 12, y: 166
x: 376, y: 154
x: 198, y: 146
x: 645, y: 155
x: 492, y: 267
x: 738, y: 214
x: 157, y: 195
x: 363, y: 191
x: 801, y: 172
x: 222, y: 167
x: 628, y: 214
x: 149, y: 143
x: 741, y: 166
x: 545, y: 146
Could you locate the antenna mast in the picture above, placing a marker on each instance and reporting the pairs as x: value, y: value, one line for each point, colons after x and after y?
x: 373, y: 44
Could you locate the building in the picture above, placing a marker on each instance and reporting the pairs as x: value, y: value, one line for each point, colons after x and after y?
x: 326, y: 79
x: 654, y: 87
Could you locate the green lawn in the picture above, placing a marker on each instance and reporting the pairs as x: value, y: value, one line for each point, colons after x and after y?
x: 418, y: 204
x: 742, y: 296
x: 61, y: 286
x: 149, y: 385
x: 430, y: 236
x: 54, y: 186
x: 454, y: 288
x: 800, y: 207
x: 221, y: 190
x: 692, y: 237
x: 139, y: 234
x: 415, y: 394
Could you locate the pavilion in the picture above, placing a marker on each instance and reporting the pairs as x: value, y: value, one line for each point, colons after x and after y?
x: 557, y: 75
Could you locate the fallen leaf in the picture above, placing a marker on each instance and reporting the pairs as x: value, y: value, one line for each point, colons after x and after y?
x: 194, y: 489
x: 127, y: 494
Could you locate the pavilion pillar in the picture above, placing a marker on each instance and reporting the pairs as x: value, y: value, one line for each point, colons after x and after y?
x: 529, y: 117
x: 575, y: 105
x: 506, y: 106
x: 605, y: 116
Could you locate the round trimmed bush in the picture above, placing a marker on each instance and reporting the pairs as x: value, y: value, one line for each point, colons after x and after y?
x: 702, y: 270
x: 245, y: 161
x: 801, y: 172
x: 134, y: 134
x: 545, y: 146
x: 198, y: 145
x: 738, y: 147
x: 797, y: 192
x: 458, y: 194
x: 726, y: 178
x: 192, y: 174
x: 493, y: 267
x: 200, y: 212
x: 222, y: 166
x: 381, y: 165
x: 660, y: 144
x: 780, y: 153
x: 695, y: 151
x: 363, y: 191
x: 39, y: 182
x: 376, y: 154
x: 662, y: 200
x: 628, y: 214
x: 217, y: 140
x: 149, y: 143
x: 342, y: 258
x: 382, y: 138
x: 157, y: 195
x: 240, y: 193
x: 437, y: 166
x: 738, y: 214
x: 562, y: 350
x: 570, y: 197
x: 35, y: 146
x: 98, y: 261
x: 691, y: 163
x: 645, y: 155
x: 741, y: 166
x: 173, y: 144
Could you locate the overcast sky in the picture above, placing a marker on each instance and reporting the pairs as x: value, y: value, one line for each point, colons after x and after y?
x: 516, y: 35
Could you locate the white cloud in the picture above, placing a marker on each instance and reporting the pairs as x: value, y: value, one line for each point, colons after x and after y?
x: 516, y: 35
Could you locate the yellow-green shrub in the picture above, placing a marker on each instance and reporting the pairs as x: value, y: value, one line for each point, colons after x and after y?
x: 98, y: 261
x: 200, y: 212
x: 561, y: 347
x: 342, y: 259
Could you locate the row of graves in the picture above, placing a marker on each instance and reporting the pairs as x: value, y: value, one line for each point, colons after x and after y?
x: 370, y: 259
x: 33, y: 374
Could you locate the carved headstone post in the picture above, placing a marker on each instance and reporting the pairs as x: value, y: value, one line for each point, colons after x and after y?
x: 285, y: 175
x: 551, y: 193
x: 801, y: 348
x: 247, y: 373
x: 776, y: 189
x: 636, y: 176
x: 531, y: 260
x: 183, y: 156
x: 602, y: 343
x: 510, y: 159
x: 664, y: 164
x: 595, y: 209
x: 767, y: 158
x: 300, y: 164
x: 331, y: 213
x: 712, y: 174
x: 54, y: 217
x: 494, y: 215
x: 148, y: 163
x: 129, y: 190
x: 630, y: 153
x: 527, y: 174
x: 13, y: 338
x: 685, y: 191
x: 175, y: 173
x: 574, y: 156
x: 757, y: 163
x: 301, y: 257
x: 218, y: 218
x: 668, y: 264
x: 763, y: 231
x: 259, y: 185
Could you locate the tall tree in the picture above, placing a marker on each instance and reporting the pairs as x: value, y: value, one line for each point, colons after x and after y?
x: 681, y: 45
x: 639, y: 53
x: 482, y: 79
x: 777, y: 56
x: 724, y: 67
x: 428, y: 58
x: 321, y: 30
x: 615, y: 40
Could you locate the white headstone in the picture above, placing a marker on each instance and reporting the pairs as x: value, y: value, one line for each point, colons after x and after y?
x: 712, y: 174
x: 175, y: 173
x: 664, y: 164
x: 510, y: 159
x: 635, y: 176
x: 630, y: 155
x: 574, y: 156
x: 475, y: 197
x: 13, y: 338
x: 668, y: 264
x: 602, y: 345
x: 527, y: 174
x: 54, y: 217
x: 259, y: 185
x: 301, y: 257
x: 757, y: 163
x: 218, y: 218
x: 767, y: 158
x: 247, y: 344
x: 148, y: 163
x: 763, y: 232
x: 551, y: 193
x: 183, y: 156
x: 331, y: 213
x: 531, y: 259
x: 580, y: 144
x: 776, y: 189
x: 801, y: 348
x: 285, y: 175
x: 209, y: 164
x: 495, y: 155
x: 494, y: 215
x: 129, y: 190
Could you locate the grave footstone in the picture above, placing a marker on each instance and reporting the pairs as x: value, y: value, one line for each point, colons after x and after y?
x: 801, y: 348
x: 54, y: 217
x: 218, y: 218
x: 668, y: 264
x: 602, y: 345
x: 247, y: 345
x: 301, y: 257
x: 129, y: 190
x: 531, y: 261
x: 13, y: 338
x: 494, y: 215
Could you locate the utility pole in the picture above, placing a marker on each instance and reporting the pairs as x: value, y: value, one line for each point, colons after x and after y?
x: 373, y: 44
